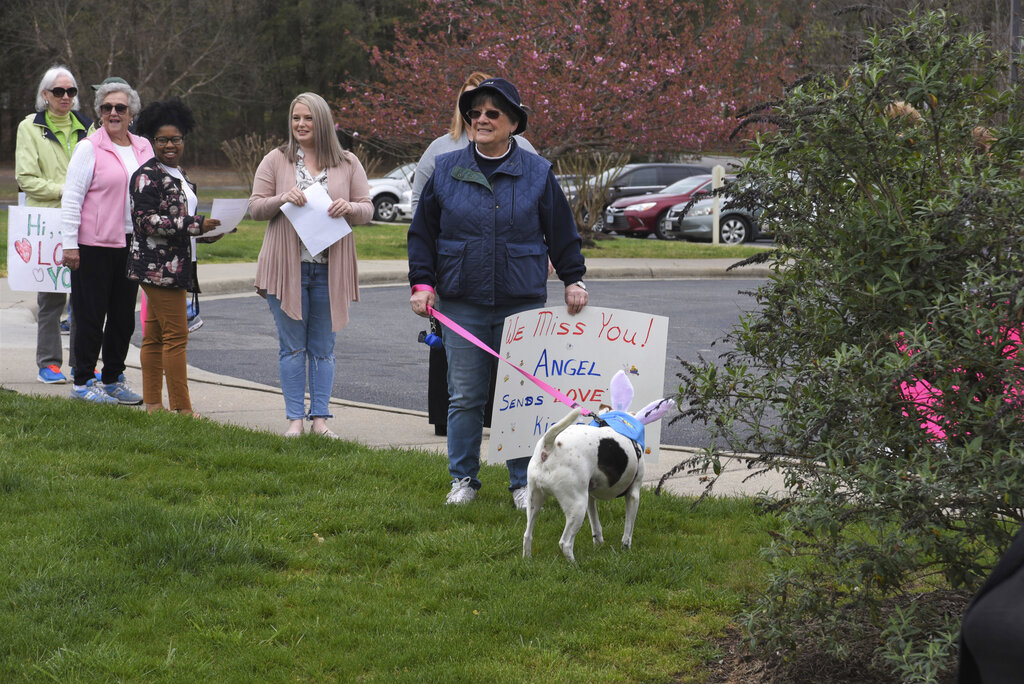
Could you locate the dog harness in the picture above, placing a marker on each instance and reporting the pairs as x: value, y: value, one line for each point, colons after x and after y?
x: 625, y: 424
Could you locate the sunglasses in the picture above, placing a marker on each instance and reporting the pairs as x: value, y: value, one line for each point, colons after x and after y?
x: 475, y: 114
x: 106, y: 108
x: 60, y: 92
x: 162, y: 141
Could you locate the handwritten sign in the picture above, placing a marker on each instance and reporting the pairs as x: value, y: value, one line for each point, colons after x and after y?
x: 578, y: 355
x: 35, y: 256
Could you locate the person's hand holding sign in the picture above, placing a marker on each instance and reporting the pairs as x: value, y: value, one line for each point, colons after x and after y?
x: 576, y: 297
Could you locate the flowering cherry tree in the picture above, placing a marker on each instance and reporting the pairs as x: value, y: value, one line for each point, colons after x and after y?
x: 652, y: 76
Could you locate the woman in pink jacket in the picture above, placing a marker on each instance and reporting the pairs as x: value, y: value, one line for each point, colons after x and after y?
x: 308, y: 293
x: 95, y: 220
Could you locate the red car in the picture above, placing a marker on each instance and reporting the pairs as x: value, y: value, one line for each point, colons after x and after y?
x: 641, y: 215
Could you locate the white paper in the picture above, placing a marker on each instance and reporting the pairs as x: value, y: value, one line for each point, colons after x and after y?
x: 229, y: 212
x: 315, y: 227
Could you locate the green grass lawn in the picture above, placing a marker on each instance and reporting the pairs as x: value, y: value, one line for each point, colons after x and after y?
x: 387, y: 241
x: 162, y: 549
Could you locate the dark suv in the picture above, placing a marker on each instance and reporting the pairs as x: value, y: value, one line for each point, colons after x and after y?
x: 641, y: 179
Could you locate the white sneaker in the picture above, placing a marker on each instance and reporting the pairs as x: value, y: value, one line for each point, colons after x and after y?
x: 462, y: 492
x: 520, y: 497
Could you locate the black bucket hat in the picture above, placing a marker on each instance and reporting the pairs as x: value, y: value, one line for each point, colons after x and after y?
x: 503, y: 88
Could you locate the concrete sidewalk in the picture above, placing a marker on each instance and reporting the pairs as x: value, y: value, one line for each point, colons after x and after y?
x: 240, y: 402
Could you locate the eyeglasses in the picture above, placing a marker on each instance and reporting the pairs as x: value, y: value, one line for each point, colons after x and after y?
x: 106, y: 108
x: 60, y: 92
x: 475, y: 114
x: 162, y: 141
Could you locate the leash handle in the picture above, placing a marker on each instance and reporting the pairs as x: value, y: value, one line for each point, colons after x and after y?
x: 470, y: 337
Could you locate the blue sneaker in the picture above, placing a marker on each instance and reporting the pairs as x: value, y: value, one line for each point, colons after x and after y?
x: 51, y: 375
x: 122, y: 393
x: 91, y: 392
x: 65, y: 327
x: 195, y: 322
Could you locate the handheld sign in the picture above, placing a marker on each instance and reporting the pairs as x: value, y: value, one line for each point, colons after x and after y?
x: 578, y: 355
x: 35, y: 255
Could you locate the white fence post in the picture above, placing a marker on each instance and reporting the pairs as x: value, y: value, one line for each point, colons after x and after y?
x: 717, y: 180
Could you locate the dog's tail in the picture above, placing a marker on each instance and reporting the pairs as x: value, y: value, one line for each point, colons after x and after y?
x: 557, y: 428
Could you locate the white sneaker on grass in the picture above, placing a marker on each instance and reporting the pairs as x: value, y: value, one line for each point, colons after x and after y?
x: 519, y: 498
x: 462, y: 492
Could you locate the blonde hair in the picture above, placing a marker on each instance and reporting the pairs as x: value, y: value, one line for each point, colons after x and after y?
x: 457, y: 124
x: 328, y: 150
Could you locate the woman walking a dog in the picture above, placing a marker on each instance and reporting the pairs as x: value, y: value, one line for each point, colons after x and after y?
x: 488, y: 219
x: 308, y: 293
x: 456, y: 138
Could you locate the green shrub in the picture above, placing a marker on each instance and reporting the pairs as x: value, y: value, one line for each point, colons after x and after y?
x: 899, y: 260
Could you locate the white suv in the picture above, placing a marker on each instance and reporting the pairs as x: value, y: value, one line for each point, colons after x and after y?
x: 386, y: 193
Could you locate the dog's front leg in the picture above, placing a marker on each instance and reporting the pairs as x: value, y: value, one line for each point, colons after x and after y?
x: 595, y: 522
x: 632, y: 504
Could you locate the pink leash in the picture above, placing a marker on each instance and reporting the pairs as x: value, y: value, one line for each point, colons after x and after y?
x: 465, y: 334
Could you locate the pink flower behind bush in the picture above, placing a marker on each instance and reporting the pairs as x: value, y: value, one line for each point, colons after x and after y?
x: 927, y: 400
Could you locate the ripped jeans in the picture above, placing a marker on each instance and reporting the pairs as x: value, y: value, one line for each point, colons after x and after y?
x: 307, y: 344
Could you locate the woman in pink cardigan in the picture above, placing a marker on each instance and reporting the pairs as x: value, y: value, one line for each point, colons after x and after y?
x: 308, y: 293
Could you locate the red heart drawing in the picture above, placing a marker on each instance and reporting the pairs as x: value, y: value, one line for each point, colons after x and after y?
x: 24, y: 248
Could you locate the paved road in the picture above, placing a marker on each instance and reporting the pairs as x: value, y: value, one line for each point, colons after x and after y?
x: 379, y: 360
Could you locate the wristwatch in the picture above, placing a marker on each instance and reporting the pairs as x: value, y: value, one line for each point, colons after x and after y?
x: 578, y: 283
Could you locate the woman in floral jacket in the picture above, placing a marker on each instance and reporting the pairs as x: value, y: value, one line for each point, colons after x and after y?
x: 162, y: 254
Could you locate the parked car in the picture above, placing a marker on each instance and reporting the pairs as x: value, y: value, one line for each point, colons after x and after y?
x: 735, y: 224
x: 386, y: 192
x: 404, y: 206
x: 570, y: 183
x: 641, y: 179
x: 640, y: 215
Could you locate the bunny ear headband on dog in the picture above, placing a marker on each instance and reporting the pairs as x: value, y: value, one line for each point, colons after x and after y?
x: 627, y: 424
x: 622, y: 397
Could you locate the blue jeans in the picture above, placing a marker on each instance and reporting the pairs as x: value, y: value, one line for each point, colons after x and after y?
x: 469, y: 378
x: 306, y: 343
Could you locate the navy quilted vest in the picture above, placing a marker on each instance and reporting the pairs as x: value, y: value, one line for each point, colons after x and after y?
x: 491, y: 249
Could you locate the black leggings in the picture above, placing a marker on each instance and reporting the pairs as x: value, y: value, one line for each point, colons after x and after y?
x: 103, y: 299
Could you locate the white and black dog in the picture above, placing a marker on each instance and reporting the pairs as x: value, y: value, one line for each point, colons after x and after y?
x: 578, y: 464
